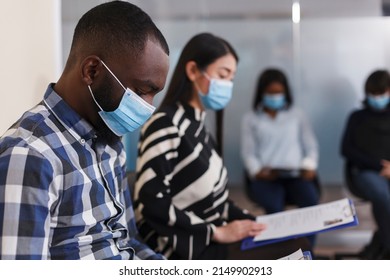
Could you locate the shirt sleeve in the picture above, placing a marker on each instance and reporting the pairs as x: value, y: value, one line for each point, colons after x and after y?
x: 252, y: 163
x: 186, y: 233
x: 236, y: 213
x: 143, y: 252
x: 309, y: 144
x: 25, y: 178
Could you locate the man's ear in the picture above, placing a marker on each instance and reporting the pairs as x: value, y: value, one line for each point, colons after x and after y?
x: 192, y: 70
x: 90, y: 68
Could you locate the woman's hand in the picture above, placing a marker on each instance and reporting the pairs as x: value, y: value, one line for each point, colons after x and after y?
x: 237, y: 230
x: 266, y: 173
x: 308, y: 174
x: 385, y: 172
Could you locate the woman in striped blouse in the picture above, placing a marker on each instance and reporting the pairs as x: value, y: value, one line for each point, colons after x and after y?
x: 181, y: 199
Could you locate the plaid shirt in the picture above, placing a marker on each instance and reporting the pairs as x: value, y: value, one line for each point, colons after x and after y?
x: 63, y: 191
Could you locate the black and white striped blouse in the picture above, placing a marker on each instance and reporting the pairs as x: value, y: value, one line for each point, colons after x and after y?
x: 180, y: 192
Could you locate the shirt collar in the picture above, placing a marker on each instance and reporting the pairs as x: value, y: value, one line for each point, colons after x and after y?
x: 77, y: 126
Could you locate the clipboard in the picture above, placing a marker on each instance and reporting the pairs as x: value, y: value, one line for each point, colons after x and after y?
x: 307, y: 255
x: 328, y: 225
x: 298, y: 255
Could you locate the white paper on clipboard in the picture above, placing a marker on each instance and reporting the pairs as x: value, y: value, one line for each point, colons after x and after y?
x: 306, y: 220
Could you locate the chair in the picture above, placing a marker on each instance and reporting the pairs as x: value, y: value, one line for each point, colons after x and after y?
x: 368, y: 252
x: 247, y: 188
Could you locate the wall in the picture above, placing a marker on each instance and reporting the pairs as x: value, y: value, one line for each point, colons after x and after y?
x: 30, y: 54
x: 326, y: 67
x: 335, y: 62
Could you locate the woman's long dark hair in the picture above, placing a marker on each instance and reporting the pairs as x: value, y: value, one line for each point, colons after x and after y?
x: 266, y: 78
x: 203, y: 49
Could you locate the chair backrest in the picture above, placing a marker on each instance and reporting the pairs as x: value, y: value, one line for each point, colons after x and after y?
x: 247, y: 188
x: 317, y: 183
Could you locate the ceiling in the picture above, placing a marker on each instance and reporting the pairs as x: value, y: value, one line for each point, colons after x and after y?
x: 237, y: 9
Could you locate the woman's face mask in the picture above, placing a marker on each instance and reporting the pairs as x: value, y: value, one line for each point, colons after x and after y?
x: 378, y: 102
x: 131, y: 113
x: 219, y: 94
x: 274, y: 101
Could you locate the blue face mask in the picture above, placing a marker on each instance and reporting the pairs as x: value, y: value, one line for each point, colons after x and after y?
x: 378, y: 102
x: 274, y: 101
x: 131, y: 113
x: 219, y: 94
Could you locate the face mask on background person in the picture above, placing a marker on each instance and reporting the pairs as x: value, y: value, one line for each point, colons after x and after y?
x: 378, y: 102
x: 275, y: 101
x: 131, y: 113
x: 219, y: 94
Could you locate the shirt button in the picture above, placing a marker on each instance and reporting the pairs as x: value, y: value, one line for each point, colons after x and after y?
x: 82, y: 141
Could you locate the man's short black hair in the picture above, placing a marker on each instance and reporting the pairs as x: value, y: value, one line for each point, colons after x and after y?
x: 115, y: 27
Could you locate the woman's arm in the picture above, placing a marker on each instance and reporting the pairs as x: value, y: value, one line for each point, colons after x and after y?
x: 252, y: 163
x: 309, y: 144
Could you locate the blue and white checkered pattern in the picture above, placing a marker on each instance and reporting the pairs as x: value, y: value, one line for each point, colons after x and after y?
x: 63, y: 191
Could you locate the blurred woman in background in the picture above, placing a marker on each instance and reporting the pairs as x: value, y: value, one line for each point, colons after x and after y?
x: 278, y: 147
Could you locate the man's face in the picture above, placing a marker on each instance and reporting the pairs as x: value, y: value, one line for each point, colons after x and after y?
x: 144, y: 74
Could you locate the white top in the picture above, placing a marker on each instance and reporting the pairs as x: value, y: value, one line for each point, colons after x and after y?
x: 284, y: 142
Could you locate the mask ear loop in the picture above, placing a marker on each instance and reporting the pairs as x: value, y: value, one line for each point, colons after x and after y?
x: 206, y: 75
x: 93, y: 97
x: 108, y: 69
x: 198, y: 89
x: 197, y: 86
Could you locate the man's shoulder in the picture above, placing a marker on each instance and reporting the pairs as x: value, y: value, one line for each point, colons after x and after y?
x: 33, y: 124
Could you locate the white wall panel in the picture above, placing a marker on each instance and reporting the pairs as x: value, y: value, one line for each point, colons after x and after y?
x: 30, y: 54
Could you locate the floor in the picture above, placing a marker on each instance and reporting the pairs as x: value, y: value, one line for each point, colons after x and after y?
x: 349, y: 240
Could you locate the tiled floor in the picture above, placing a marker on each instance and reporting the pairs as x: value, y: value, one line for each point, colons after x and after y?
x: 348, y: 240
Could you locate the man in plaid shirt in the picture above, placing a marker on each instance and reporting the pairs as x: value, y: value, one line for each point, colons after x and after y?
x: 63, y: 189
